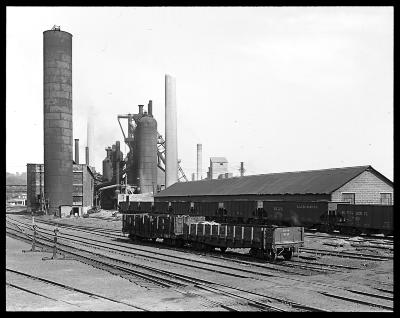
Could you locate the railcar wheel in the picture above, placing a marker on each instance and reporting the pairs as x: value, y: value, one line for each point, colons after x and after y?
x: 223, y: 249
x: 287, y: 255
x: 253, y: 251
x: 271, y: 256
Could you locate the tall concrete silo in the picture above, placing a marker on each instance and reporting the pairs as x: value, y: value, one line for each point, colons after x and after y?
x: 57, y: 96
x: 171, y: 137
x: 146, y: 149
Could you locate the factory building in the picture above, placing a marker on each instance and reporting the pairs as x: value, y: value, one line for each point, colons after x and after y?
x: 83, y: 187
x: 218, y: 168
x: 356, y: 185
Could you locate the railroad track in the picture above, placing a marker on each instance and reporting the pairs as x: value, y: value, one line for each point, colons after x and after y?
x: 89, y: 229
x: 332, y: 296
x: 62, y: 286
x: 346, y: 236
x: 317, y: 268
x: 385, y: 240
x: 262, y: 302
x: 360, y: 256
x: 313, y: 267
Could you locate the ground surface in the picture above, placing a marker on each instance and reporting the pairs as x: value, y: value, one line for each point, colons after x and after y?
x: 370, y: 276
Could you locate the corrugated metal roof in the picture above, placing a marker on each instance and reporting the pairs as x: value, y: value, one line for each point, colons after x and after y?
x: 301, y: 182
x: 218, y: 159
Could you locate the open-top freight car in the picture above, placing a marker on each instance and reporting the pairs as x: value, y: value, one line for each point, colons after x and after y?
x: 179, y: 230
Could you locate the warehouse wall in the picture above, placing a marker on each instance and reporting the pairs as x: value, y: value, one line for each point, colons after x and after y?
x: 367, y: 188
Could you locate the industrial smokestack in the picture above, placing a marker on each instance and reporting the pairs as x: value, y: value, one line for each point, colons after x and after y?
x: 150, y: 108
x: 57, y: 118
x: 193, y: 176
x: 141, y: 109
x: 241, y: 169
x: 87, y: 155
x: 199, y: 161
x: 117, y: 162
x: 77, y: 151
x: 171, y: 139
x: 90, y: 140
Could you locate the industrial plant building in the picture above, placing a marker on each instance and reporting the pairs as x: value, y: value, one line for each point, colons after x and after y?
x: 83, y: 188
x: 218, y: 168
x: 357, y: 185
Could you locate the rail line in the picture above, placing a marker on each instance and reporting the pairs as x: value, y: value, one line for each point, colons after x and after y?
x: 369, y: 257
x: 282, y: 305
x: 285, y: 277
x: 266, y: 266
x: 389, y: 239
x: 275, y: 266
x: 70, y: 288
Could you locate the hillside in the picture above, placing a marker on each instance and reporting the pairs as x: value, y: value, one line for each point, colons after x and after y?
x: 18, y: 178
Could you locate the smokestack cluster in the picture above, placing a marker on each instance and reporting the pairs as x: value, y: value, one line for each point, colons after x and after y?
x: 171, y: 138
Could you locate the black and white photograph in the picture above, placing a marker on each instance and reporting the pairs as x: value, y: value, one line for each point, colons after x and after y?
x: 199, y: 159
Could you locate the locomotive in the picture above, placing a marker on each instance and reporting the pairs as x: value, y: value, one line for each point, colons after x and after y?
x: 324, y: 216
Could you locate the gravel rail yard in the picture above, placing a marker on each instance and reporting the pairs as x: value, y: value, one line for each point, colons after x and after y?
x: 217, y: 281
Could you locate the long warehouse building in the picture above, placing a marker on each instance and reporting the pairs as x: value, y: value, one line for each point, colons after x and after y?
x: 357, y: 185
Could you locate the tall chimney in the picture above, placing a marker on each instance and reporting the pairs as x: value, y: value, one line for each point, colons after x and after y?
x: 199, y: 161
x: 193, y: 176
x: 77, y: 151
x: 57, y: 118
x: 141, y: 109
x: 90, y: 140
x: 241, y: 169
x: 118, y: 159
x: 150, y: 108
x: 171, y: 139
x: 87, y: 155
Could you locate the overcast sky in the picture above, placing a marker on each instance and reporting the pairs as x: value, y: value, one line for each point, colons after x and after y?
x: 279, y: 88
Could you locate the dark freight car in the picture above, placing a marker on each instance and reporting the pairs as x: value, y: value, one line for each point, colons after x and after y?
x: 289, y: 213
x: 363, y: 218
x: 161, y: 207
x: 265, y: 241
x: 180, y: 207
x: 240, y: 210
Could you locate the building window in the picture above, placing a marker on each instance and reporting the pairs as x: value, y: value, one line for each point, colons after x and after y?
x: 348, y: 197
x: 386, y: 198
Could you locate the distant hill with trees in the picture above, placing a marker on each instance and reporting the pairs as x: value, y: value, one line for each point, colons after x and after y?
x: 17, y: 178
